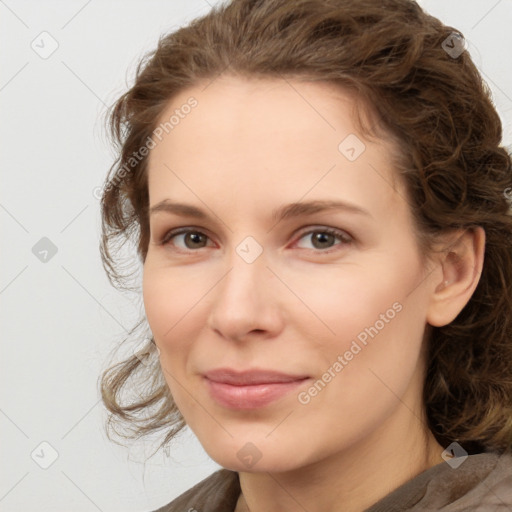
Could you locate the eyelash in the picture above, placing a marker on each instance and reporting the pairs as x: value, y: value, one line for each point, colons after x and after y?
x: 341, y: 235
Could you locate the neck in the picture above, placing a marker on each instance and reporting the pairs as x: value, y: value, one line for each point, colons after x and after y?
x: 357, y: 476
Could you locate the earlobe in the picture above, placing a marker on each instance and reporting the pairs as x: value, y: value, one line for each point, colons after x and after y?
x: 462, y: 263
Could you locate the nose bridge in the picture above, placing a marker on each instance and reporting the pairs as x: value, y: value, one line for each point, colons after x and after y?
x: 243, y: 299
x: 247, y: 273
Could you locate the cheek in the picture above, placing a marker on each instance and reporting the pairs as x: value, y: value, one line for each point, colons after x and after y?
x: 166, y: 302
x: 159, y: 304
x: 339, y: 304
x: 365, y: 314
x: 374, y: 354
x: 169, y: 296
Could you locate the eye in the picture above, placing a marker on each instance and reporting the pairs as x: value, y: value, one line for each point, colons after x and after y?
x: 323, y: 237
x: 191, y: 238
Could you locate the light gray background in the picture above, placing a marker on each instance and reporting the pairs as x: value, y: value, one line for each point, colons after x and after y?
x: 60, y: 319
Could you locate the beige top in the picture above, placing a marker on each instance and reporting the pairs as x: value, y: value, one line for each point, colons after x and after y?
x: 482, y: 483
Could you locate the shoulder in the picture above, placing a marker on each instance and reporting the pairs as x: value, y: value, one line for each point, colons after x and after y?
x: 218, y: 492
x: 495, y: 487
x: 480, y: 483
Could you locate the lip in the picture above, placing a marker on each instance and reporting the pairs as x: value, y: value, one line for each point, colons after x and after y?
x: 250, y: 389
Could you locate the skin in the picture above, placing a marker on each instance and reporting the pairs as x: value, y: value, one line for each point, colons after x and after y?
x: 248, y: 147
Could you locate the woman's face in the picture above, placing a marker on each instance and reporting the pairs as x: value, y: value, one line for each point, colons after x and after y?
x: 329, y: 303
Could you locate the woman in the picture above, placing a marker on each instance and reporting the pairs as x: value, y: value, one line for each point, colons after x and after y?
x: 318, y: 195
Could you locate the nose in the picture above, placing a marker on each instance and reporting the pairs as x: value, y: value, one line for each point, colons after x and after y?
x: 246, y: 302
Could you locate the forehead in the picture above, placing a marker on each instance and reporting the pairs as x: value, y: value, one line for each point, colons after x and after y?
x: 266, y: 104
x: 273, y: 131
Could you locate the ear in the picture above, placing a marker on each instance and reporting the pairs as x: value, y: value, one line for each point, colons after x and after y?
x: 461, y: 262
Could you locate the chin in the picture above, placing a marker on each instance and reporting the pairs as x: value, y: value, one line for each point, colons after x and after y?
x: 256, y: 456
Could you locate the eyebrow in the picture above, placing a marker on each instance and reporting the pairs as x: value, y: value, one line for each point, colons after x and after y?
x: 282, y: 213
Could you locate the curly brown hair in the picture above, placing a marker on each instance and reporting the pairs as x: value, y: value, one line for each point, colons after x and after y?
x: 433, y: 102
